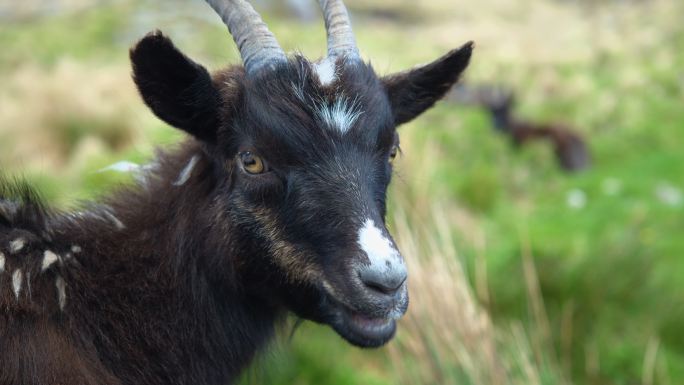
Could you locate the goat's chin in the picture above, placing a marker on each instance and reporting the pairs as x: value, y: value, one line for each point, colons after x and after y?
x: 363, y: 329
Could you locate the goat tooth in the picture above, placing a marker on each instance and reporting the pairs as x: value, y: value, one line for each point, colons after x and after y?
x: 17, y: 278
x: 48, y: 259
x: 2, y: 262
x: 76, y: 249
x: 16, y: 245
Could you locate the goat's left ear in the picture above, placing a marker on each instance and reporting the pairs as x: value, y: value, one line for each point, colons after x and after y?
x: 178, y: 90
x: 414, y: 91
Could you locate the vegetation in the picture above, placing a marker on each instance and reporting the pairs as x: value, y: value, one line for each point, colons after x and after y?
x: 519, y: 274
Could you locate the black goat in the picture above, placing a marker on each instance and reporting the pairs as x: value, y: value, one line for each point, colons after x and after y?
x: 275, y: 204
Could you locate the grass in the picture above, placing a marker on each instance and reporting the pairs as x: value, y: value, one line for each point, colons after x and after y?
x: 520, y: 274
x: 449, y: 330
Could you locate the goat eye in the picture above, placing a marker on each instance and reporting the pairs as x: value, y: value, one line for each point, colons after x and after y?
x: 393, y: 153
x: 252, y: 163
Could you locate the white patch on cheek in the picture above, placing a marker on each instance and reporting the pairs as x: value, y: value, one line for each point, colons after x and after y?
x: 377, y: 247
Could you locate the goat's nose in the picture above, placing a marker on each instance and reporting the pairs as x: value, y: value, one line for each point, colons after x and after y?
x: 385, y: 278
x: 386, y: 271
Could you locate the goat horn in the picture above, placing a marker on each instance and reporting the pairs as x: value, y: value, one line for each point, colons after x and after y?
x: 258, y: 47
x: 341, y: 40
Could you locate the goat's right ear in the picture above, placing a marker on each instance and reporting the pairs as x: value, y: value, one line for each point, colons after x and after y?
x: 414, y: 91
x: 178, y: 90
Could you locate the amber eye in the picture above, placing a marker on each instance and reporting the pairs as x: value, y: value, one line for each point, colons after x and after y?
x: 393, y: 153
x: 252, y: 163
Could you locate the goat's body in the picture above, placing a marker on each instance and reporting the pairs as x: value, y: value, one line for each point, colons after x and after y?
x: 142, y: 301
x: 277, y: 205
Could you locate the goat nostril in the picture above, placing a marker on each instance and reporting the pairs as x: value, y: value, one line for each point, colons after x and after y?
x: 383, y: 282
x: 382, y: 288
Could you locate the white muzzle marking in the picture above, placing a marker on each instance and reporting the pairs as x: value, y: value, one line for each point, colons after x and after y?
x: 386, y: 266
x: 377, y: 247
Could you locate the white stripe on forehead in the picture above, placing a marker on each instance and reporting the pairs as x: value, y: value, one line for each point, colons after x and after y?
x: 340, y: 115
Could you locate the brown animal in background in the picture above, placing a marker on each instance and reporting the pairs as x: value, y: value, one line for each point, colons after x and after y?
x: 569, y: 147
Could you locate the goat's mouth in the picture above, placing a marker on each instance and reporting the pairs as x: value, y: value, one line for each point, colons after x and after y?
x: 365, y: 331
x: 366, y: 328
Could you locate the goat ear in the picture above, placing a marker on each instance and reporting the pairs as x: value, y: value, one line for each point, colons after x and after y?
x: 178, y: 90
x: 414, y: 91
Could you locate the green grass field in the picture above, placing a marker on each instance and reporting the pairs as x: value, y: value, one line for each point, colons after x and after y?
x: 519, y: 273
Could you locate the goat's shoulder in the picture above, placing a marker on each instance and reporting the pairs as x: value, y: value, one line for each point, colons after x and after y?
x: 33, y: 295
x: 31, y: 260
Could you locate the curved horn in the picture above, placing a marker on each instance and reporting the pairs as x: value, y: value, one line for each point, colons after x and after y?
x: 258, y: 47
x: 341, y: 40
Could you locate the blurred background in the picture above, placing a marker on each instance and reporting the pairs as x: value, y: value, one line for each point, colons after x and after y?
x: 520, y: 272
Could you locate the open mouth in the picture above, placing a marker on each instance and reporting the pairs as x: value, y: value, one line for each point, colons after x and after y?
x: 366, y: 330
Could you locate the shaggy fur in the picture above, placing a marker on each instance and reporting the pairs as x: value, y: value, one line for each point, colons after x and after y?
x: 155, y: 302
x: 182, y: 278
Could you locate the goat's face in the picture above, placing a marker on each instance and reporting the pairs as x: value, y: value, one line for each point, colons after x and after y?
x: 304, y: 156
x: 310, y: 165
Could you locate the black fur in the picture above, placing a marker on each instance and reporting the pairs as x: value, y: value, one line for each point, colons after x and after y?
x: 183, y: 278
x: 177, y: 89
x: 414, y: 91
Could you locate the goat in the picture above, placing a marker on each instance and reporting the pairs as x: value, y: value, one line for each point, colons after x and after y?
x: 569, y: 147
x: 274, y: 204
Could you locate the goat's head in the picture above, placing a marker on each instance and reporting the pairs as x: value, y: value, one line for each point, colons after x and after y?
x: 303, y: 152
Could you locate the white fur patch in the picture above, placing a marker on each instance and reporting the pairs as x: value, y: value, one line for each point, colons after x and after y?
x: 61, y: 292
x: 397, y: 312
x: 17, y: 278
x: 16, y: 245
x: 298, y: 92
x: 377, y: 247
x: 186, y: 172
x: 2, y: 262
x: 326, y: 71
x: 8, y: 209
x: 117, y: 223
x: 340, y: 115
x: 122, y: 166
x: 49, y: 258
